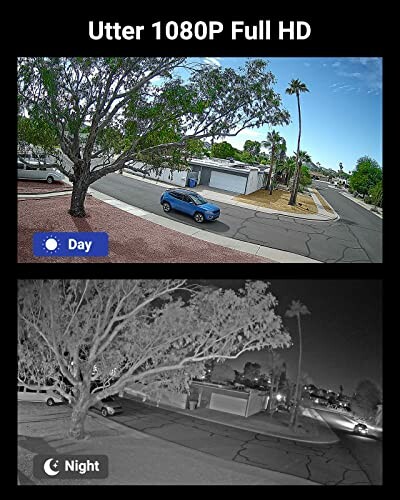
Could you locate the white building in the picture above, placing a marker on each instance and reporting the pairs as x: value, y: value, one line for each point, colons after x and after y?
x: 228, y: 175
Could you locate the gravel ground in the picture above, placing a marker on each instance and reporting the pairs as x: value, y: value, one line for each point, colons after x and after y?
x: 131, y: 239
x: 40, y: 187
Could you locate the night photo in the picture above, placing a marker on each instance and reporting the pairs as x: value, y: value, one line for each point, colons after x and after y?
x: 175, y: 381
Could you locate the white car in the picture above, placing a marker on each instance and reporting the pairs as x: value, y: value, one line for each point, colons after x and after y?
x: 39, y: 395
x: 37, y: 171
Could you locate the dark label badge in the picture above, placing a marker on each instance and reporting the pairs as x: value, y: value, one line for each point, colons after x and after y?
x: 70, y: 244
x: 70, y: 466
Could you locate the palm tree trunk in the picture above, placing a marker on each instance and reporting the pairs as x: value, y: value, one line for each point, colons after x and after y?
x: 293, y: 195
x: 268, y: 186
x: 296, y: 395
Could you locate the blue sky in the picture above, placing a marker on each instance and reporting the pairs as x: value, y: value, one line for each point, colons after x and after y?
x: 341, y: 115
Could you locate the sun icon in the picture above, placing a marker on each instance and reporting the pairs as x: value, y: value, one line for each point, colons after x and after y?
x: 51, y: 244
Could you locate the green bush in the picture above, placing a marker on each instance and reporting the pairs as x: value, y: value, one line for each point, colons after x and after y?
x: 376, y: 194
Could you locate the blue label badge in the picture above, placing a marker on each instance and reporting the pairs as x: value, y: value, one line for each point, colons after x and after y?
x: 70, y: 244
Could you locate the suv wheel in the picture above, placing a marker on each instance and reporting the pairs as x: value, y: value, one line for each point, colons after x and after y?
x: 50, y: 402
x: 104, y: 412
x: 198, y: 217
x: 50, y: 179
x: 166, y: 206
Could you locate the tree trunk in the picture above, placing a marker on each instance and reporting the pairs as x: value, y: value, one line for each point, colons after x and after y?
x: 269, y: 181
x: 79, y: 191
x: 293, y: 419
x: 293, y: 194
x: 79, y: 413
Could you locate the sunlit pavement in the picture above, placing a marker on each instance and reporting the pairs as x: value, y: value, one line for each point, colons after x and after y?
x: 325, y: 464
x: 356, y: 237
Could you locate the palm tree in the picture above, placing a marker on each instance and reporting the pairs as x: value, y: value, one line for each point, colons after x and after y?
x: 295, y: 87
x: 276, y: 368
x: 289, y: 168
x: 296, y: 310
x: 301, y: 158
x: 275, y: 143
x: 340, y: 169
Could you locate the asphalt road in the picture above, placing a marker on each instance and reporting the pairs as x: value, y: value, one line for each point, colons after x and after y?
x: 323, y: 464
x: 366, y: 450
x: 356, y: 237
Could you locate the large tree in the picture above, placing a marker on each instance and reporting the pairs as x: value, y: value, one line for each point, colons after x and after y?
x: 366, y: 175
x: 223, y: 150
x: 296, y: 87
x: 90, y: 338
x: 96, y: 115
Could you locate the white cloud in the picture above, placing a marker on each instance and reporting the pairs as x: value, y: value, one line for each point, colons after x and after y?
x: 336, y: 64
x: 213, y: 61
x: 307, y: 64
x: 367, y: 71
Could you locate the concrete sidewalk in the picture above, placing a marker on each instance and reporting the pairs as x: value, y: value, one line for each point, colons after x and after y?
x: 134, y: 458
x: 228, y: 198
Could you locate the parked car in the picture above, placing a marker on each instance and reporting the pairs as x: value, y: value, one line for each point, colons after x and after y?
x: 36, y: 170
x: 50, y: 397
x: 108, y: 406
x: 189, y: 202
x: 361, y: 429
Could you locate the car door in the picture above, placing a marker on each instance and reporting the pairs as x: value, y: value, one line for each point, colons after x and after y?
x: 190, y: 206
x: 177, y: 201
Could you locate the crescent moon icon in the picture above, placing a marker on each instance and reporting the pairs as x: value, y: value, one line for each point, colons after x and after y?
x: 48, y: 470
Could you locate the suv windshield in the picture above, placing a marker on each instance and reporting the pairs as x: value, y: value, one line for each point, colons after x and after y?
x: 199, y: 200
x: 109, y: 399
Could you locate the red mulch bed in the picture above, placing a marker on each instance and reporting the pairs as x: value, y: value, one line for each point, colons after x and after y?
x: 41, y: 187
x: 131, y: 239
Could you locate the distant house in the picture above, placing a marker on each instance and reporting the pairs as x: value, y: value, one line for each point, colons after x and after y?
x: 228, y: 175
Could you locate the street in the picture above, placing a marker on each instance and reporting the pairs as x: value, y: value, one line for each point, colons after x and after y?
x: 356, y: 237
x: 366, y: 450
x: 325, y: 464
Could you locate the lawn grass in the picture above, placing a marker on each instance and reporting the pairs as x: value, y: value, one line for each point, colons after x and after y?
x: 278, y: 200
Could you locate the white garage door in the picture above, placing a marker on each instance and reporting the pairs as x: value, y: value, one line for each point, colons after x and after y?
x: 228, y: 182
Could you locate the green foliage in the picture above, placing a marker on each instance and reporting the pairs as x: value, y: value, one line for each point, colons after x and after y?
x: 376, y: 194
x: 367, y: 174
x: 305, y: 177
x: 252, y: 147
x: 223, y: 150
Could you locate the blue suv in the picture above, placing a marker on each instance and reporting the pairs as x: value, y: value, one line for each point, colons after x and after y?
x: 189, y: 202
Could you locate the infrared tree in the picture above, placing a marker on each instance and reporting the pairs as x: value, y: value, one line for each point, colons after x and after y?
x: 90, y: 338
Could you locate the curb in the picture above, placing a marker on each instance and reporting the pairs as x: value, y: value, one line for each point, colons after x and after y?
x: 45, y: 194
x: 335, y: 215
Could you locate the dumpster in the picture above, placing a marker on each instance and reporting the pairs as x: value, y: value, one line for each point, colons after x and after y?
x: 192, y: 183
